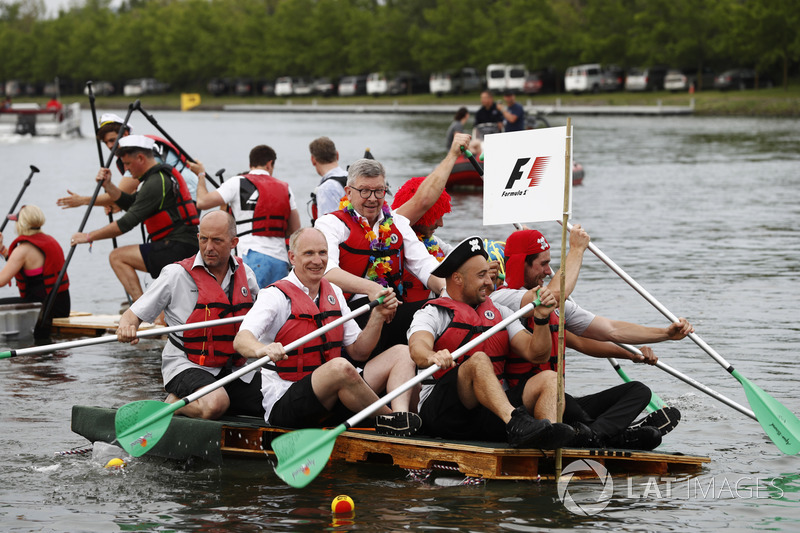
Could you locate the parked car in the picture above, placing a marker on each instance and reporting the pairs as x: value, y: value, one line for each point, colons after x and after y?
x: 407, y: 83
x: 465, y: 80
x: 646, y: 79
x: 302, y: 86
x: 142, y: 86
x: 219, y: 86
x: 613, y: 79
x: 267, y: 88
x: 740, y: 78
x: 283, y: 86
x: 325, y: 86
x: 244, y: 87
x: 377, y: 84
x: 683, y: 79
x: 542, y: 81
x: 353, y: 86
x: 583, y: 78
x: 100, y: 88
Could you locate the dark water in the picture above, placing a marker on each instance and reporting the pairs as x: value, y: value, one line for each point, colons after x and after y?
x: 703, y: 212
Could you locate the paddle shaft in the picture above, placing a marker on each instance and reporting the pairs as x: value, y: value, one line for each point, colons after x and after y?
x: 655, y: 303
x: 361, y: 415
x: 288, y: 348
x: 27, y: 182
x: 150, y: 118
x: 155, y: 332
x: 51, y: 298
x: 100, y: 153
x: 477, y: 166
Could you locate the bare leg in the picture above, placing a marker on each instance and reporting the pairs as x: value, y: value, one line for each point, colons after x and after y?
x: 125, y: 261
x: 211, y: 406
x: 477, y: 384
x: 339, y: 380
x: 539, y: 395
x: 388, y: 371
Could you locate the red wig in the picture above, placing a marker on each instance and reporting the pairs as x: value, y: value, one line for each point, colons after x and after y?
x: 439, y: 209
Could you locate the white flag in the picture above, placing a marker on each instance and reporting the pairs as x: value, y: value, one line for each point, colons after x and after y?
x: 524, y: 176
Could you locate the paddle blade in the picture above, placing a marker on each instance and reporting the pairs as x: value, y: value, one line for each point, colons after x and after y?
x: 140, y: 425
x: 303, y: 454
x: 780, y: 424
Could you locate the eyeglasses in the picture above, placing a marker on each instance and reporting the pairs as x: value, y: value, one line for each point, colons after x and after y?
x: 366, y: 193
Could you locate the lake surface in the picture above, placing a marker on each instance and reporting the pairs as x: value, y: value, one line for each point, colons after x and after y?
x: 703, y: 212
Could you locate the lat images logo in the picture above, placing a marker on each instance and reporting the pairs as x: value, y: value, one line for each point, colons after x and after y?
x: 585, y: 500
x: 534, y: 174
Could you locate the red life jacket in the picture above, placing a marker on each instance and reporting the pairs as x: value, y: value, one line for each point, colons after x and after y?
x: 413, y: 288
x: 468, y: 323
x: 161, y: 224
x: 271, y: 215
x: 355, y: 255
x: 213, y: 347
x: 53, y: 262
x: 518, y: 368
x: 306, y: 317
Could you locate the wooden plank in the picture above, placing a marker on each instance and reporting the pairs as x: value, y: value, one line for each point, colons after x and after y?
x: 80, y: 323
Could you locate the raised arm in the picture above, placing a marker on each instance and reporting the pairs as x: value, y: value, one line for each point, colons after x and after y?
x: 205, y: 199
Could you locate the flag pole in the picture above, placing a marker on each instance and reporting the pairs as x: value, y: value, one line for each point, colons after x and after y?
x: 563, y: 288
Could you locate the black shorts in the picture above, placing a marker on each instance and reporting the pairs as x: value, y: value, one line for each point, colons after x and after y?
x: 443, y: 415
x: 299, y: 407
x: 158, y: 254
x: 245, y: 398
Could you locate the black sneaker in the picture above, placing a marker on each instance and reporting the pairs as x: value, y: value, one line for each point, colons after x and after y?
x: 400, y: 424
x: 638, y: 438
x: 665, y: 419
x: 584, y: 437
x: 523, y: 429
x: 556, y: 436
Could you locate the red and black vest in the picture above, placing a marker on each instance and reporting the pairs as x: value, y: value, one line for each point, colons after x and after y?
x: 306, y: 317
x: 184, y: 212
x: 518, y: 368
x: 356, y: 256
x: 469, y: 322
x: 413, y: 289
x: 213, y: 347
x: 271, y: 215
x: 53, y: 262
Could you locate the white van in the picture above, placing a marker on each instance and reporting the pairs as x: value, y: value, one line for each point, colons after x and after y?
x: 583, y: 78
x: 377, y: 84
x: 496, y: 77
x: 504, y: 77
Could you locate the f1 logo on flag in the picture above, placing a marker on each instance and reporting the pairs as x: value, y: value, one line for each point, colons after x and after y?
x: 535, y: 174
x: 524, y: 176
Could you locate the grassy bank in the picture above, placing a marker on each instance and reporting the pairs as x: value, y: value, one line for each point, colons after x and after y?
x: 774, y: 102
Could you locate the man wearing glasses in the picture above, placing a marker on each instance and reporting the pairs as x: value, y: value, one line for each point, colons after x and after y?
x: 368, y: 249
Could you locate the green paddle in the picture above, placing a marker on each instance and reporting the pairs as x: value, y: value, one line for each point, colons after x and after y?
x: 155, y: 332
x: 302, y: 454
x: 779, y: 423
x: 655, y: 404
x: 140, y: 425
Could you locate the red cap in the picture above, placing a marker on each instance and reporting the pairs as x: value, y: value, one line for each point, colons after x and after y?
x: 519, y: 245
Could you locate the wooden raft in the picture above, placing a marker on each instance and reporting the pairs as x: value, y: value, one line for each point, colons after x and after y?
x: 213, y: 440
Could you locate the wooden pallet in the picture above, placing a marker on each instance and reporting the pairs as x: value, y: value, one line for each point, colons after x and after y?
x: 87, y: 324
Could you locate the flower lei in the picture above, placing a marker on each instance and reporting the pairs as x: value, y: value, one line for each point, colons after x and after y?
x: 433, y: 247
x: 382, y: 265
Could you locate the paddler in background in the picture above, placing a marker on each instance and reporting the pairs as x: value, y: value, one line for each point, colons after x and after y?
x: 208, y: 285
x: 163, y: 204
x: 107, y: 132
x: 35, y: 259
x: 605, y: 418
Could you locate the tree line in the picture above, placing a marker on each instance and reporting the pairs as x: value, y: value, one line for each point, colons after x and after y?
x: 188, y: 42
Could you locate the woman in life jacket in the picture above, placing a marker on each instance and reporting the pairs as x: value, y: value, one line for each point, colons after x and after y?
x: 35, y: 260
